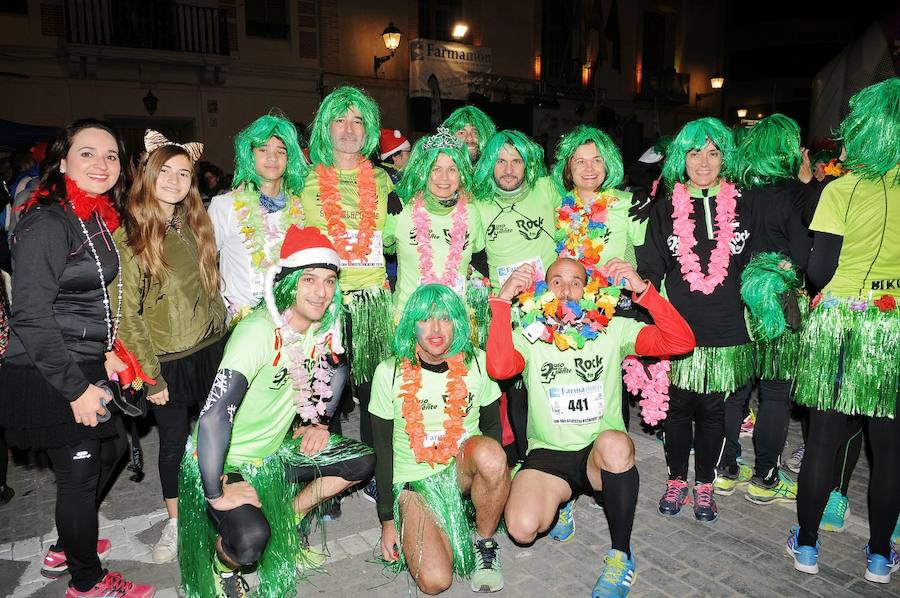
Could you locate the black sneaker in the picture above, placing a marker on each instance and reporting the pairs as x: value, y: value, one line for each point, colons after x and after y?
x: 232, y: 585
x: 370, y: 492
x: 6, y: 494
x: 334, y: 513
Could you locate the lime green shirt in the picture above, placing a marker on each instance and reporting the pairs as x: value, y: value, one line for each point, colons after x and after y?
x: 625, y: 231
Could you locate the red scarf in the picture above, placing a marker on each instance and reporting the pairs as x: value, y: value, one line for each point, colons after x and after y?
x: 84, y: 204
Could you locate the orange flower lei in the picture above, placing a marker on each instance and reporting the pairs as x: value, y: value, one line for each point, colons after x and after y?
x: 455, y: 408
x: 330, y: 197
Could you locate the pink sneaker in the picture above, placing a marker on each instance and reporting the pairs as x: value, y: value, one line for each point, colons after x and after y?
x: 113, y: 586
x: 55, y: 563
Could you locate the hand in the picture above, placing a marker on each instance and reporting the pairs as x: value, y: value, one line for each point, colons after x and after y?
x: 390, y: 541
x: 89, y: 405
x: 113, y: 364
x: 621, y: 272
x: 235, y: 495
x: 315, y: 438
x: 520, y: 280
x: 159, y: 398
x: 806, y: 174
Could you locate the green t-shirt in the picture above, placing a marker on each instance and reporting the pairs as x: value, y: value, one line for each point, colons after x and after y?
x: 387, y: 403
x: 400, y: 236
x: 625, y: 231
x: 867, y: 215
x: 519, y: 228
x: 359, y: 276
x: 575, y: 394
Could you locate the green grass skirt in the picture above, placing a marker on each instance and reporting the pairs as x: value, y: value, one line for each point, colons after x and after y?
x: 777, y: 359
x: 369, y: 311
x: 713, y: 369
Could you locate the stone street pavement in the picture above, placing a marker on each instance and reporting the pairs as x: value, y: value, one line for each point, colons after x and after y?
x: 742, y: 554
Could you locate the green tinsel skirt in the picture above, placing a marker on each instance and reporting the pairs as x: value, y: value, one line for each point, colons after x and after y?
x: 776, y: 359
x: 857, y: 351
x: 713, y: 369
x: 278, y: 566
x: 477, y: 294
x: 369, y: 311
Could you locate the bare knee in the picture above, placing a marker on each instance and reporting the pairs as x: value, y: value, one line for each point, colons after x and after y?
x: 434, y: 581
x: 522, y: 526
x: 488, y: 457
x: 613, y: 451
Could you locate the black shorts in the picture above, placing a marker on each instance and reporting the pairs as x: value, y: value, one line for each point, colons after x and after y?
x: 571, y: 466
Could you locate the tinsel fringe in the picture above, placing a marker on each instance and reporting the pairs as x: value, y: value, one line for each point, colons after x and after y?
x: 713, y: 369
x: 777, y: 359
x: 477, y: 294
x: 864, y: 347
x: 369, y: 311
x: 762, y: 282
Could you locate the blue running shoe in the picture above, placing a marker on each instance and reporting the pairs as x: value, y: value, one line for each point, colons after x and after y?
x: 616, y: 577
x: 878, y: 568
x: 806, y: 558
x: 565, y: 523
x: 895, y: 537
x: 705, y: 508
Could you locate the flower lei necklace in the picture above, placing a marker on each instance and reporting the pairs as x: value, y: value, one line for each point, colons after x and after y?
x: 683, y: 227
x: 422, y: 224
x: 308, y: 381
x: 260, y: 232
x: 654, y: 388
x: 581, y: 228
x: 330, y: 197
x: 454, y: 407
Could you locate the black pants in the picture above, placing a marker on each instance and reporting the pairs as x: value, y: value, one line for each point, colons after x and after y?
x: 826, y: 432
x: 82, y: 470
x: 735, y: 411
x: 697, y: 420
x: 517, y: 415
x: 848, y: 454
x: 4, y: 458
x: 174, y: 425
x: 362, y: 391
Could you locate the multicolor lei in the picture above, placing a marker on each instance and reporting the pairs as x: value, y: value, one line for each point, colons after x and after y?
x: 885, y: 303
x: 654, y: 388
x: 300, y: 369
x: 260, y: 232
x: 683, y: 227
x: 422, y: 224
x: 569, y: 323
x: 581, y: 229
x: 455, y: 406
x: 330, y: 196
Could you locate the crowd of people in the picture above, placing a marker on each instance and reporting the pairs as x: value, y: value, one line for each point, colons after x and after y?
x: 493, y: 318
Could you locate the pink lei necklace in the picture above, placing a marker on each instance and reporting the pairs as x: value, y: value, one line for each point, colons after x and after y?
x: 422, y: 223
x: 683, y: 228
x: 311, y: 376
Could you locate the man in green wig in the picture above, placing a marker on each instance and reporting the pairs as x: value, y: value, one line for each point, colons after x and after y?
x: 473, y: 127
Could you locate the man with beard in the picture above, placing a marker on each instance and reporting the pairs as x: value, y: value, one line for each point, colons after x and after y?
x: 473, y: 127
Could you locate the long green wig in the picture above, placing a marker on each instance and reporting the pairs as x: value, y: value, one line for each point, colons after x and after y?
x: 422, y: 158
x: 531, y: 153
x: 693, y: 136
x: 285, y: 294
x: 427, y: 302
x: 572, y: 140
x: 871, y: 132
x: 470, y: 115
x: 256, y: 134
x: 335, y: 105
x: 769, y: 153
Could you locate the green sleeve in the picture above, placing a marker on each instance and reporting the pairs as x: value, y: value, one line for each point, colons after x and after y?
x: 829, y: 216
x: 389, y: 234
x: 248, y: 349
x: 381, y: 403
x: 625, y: 331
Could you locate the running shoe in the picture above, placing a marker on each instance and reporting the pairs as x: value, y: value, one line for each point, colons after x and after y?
x: 113, y: 586
x: 834, y: 519
x: 370, y: 491
x: 616, y: 576
x: 729, y: 481
x: 704, y: 504
x: 6, y: 494
x: 806, y: 558
x: 895, y: 537
x: 748, y: 425
x: 565, y: 523
x: 55, y: 564
x: 675, y: 496
x: 334, y: 512
x: 878, y: 568
x: 488, y: 574
x: 167, y: 547
x: 765, y: 492
x: 796, y: 459
x: 231, y: 584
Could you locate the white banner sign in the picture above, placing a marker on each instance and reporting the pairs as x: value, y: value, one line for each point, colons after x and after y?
x: 449, y: 64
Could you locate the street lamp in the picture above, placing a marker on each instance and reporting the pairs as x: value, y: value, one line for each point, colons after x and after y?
x: 391, y: 36
x: 150, y: 102
x: 742, y: 113
x: 459, y: 31
x: 716, y: 82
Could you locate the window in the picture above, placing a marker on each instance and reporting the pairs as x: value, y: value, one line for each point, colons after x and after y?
x: 267, y: 18
x: 437, y: 18
x: 14, y: 7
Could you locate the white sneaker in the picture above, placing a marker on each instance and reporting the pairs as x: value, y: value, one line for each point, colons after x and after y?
x: 167, y: 547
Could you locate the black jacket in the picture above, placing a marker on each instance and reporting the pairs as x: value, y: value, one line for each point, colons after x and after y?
x: 778, y: 221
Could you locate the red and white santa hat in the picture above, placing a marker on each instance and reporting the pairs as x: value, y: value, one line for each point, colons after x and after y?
x: 392, y: 142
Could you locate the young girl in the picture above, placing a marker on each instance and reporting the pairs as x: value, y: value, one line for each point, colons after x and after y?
x: 173, y: 318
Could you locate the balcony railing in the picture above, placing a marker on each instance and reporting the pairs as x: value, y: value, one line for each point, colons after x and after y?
x: 154, y: 25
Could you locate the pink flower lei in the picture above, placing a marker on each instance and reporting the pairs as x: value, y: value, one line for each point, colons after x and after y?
x: 422, y: 224
x: 683, y: 228
x: 654, y: 388
x: 311, y: 395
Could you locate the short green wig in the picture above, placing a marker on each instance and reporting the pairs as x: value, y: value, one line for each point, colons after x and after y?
x: 285, y: 294
x: 693, y: 136
x: 871, y: 132
x: 769, y: 152
x: 256, y: 134
x: 470, y: 115
x: 421, y: 160
x: 531, y: 153
x: 572, y: 140
x: 334, y: 106
x: 427, y: 302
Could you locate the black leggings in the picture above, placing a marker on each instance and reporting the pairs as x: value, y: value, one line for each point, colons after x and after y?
x: 517, y: 415
x: 694, y: 419
x: 174, y: 425
x: 826, y: 432
x: 4, y: 458
x: 82, y: 470
x: 771, y: 430
x: 736, y: 405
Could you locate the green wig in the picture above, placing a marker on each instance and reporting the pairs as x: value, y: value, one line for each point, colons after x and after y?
x: 427, y: 302
x: 334, y: 106
x: 871, y: 132
x: 531, y: 153
x: 285, y: 294
x: 571, y: 141
x: 470, y: 115
x: 422, y: 158
x: 693, y: 136
x: 769, y: 153
x: 256, y: 134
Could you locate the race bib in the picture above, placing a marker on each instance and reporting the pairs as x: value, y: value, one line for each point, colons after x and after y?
x: 375, y: 258
x: 576, y: 403
x: 503, y: 272
x: 432, y: 439
x: 458, y: 285
x: 257, y: 282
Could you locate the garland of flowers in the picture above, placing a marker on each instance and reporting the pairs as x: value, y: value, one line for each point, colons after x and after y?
x: 581, y: 228
x: 683, y: 227
x: 260, y: 232
x: 455, y: 408
x: 300, y: 371
x: 885, y: 303
x: 422, y: 224
x: 569, y: 323
x: 330, y: 197
x: 654, y: 388
x: 834, y: 168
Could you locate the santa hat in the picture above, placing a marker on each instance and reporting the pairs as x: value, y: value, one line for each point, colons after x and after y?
x: 392, y: 142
